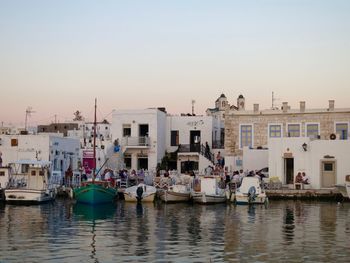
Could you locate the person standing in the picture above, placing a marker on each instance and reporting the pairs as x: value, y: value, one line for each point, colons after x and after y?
x: 207, y: 151
x: 218, y: 158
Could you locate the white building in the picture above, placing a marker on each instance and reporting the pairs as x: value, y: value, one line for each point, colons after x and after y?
x: 104, y: 143
x: 188, y: 135
x: 141, y: 137
x: 61, y: 151
x: 326, y: 162
x: 145, y: 136
x: 218, y: 113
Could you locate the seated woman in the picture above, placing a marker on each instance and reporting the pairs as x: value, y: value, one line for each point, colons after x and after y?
x: 298, y: 178
x: 306, y: 179
x: 132, y: 178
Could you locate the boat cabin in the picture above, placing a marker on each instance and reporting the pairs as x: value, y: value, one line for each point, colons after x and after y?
x: 30, y: 175
x: 4, y: 176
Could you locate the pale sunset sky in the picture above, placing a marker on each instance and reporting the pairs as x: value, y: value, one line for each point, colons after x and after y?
x: 57, y: 56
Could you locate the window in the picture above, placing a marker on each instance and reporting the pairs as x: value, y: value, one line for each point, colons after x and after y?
x: 41, y: 173
x: 328, y: 167
x: 275, y: 131
x: 312, y: 130
x: 126, y: 130
x: 293, y: 130
x: 127, y: 161
x: 174, y: 140
x: 24, y: 168
x: 342, y: 130
x: 246, y: 135
x: 2, y: 173
x: 33, y: 173
x: 14, y: 142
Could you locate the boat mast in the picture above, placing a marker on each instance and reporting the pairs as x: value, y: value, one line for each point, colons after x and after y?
x: 94, y: 144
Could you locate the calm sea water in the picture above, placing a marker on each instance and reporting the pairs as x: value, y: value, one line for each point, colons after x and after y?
x: 285, y: 231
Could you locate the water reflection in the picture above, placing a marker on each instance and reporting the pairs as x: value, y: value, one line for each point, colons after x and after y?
x: 288, y: 225
x: 129, y: 232
x: 91, y: 214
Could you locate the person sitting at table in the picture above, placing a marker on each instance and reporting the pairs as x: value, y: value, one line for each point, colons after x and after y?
x: 306, y: 179
x: 299, y: 178
x: 132, y: 178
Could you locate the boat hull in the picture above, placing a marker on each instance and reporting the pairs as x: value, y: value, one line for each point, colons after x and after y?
x: 129, y: 197
x: 203, y: 198
x: 244, y: 199
x: 28, y: 196
x: 173, y: 197
x: 148, y: 193
x: 94, y: 194
x: 344, y: 189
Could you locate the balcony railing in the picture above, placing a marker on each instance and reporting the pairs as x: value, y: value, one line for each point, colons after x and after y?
x: 136, y: 141
x: 218, y: 144
x: 199, y: 148
x: 187, y: 148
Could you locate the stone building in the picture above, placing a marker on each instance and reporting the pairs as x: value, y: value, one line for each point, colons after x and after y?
x: 254, y: 128
x: 57, y: 128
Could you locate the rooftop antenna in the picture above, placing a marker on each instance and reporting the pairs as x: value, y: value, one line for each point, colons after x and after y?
x: 29, y: 111
x: 193, y: 102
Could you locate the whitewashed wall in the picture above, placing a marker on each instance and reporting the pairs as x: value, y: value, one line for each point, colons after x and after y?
x: 184, y: 124
x: 46, y: 147
x: 156, y: 125
x: 309, y: 161
x: 255, y: 159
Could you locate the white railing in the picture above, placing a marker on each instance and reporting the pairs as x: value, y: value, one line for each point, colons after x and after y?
x: 136, y: 141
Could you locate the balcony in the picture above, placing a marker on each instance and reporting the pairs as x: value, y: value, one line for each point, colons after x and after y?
x: 189, y: 148
x: 135, y: 142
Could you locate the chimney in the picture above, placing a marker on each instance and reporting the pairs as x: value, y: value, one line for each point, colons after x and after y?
x: 302, y: 106
x: 331, y: 105
x: 285, y: 106
x: 256, y: 107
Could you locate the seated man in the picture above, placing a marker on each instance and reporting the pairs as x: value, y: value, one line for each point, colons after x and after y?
x: 298, y: 178
x: 306, y: 179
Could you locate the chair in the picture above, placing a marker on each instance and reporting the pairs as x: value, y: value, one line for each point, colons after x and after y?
x: 165, y: 182
x: 298, y: 186
x: 156, y: 182
x: 123, y: 183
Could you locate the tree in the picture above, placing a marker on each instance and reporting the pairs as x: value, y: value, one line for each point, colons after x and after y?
x: 77, y: 116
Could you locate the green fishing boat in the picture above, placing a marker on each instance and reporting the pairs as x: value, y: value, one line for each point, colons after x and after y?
x: 94, y: 192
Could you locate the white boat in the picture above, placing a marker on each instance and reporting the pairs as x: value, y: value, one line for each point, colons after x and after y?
x: 4, y: 180
x: 206, y: 190
x: 250, y: 192
x: 175, y: 193
x: 344, y: 189
x: 140, y: 193
x: 31, y: 184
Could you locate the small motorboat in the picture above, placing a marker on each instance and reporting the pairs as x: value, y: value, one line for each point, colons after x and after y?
x: 206, y: 190
x: 344, y: 189
x: 175, y: 193
x: 140, y: 193
x: 250, y: 192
